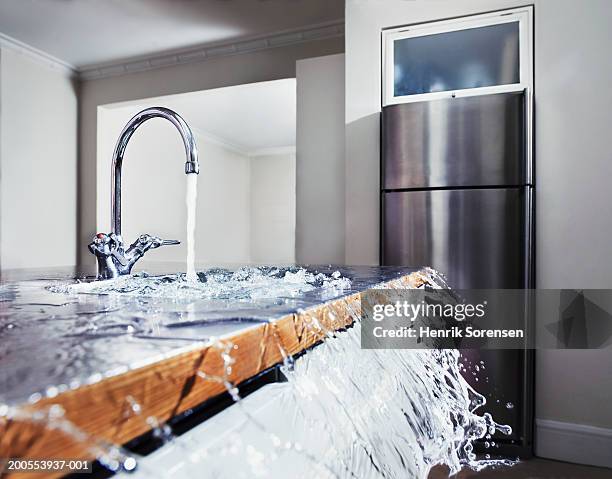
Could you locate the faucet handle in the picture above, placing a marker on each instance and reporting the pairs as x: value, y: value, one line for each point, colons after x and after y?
x: 107, y: 245
x: 169, y: 242
x: 146, y: 242
x: 104, y: 244
x: 113, y: 260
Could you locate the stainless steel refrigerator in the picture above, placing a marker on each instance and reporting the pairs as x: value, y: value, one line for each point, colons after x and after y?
x: 457, y: 195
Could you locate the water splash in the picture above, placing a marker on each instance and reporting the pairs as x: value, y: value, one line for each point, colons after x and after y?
x: 191, y: 200
x: 52, y: 418
x: 386, y: 413
x: 353, y: 413
x: 244, y: 284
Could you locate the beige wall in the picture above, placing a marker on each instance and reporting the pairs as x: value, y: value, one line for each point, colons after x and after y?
x: 320, y: 160
x: 38, y: 163
x: 263, y: 65
x: 573, y: 68
x: 273, y: 208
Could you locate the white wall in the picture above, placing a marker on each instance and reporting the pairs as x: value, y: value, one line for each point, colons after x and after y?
x: 245, y: 205
x: 273, y: 208
x: 573, y: 69
x: 38, y: 163
x: 153, y: 190
x: 271, y: 64
x: 223, y: 234
x: 320, y: 162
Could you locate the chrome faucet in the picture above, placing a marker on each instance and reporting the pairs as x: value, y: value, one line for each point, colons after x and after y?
x: 113, y: 259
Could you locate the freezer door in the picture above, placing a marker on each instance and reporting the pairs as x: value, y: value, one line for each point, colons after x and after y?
x: 478, y: 238
x: 456, y: 142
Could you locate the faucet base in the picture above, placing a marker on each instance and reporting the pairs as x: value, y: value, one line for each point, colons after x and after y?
x: 114, y: 260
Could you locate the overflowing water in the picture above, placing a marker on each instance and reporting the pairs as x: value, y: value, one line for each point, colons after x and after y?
x: 244, y: 284
x: 385, y: 413
x: 191, y: 200
x: 344, y: 412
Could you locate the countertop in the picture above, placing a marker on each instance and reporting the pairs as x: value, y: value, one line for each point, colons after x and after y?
x: 89, y: 352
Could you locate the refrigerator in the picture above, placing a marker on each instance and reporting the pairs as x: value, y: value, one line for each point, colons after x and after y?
x: 457, y: 195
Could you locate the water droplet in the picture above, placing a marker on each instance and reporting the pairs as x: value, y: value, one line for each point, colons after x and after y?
x: 34, y: 398
x: 129, y: 464
x: 51, y: 392
x: 56, y: 411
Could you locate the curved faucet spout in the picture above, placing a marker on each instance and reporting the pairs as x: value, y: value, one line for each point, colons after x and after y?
x: 191, y: 164
x: 112, y: 257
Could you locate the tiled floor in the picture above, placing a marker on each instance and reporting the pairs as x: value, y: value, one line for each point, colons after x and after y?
x: 531, y: 469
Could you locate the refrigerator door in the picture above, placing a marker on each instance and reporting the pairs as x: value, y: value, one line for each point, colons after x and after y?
x: 478, y: 238
x: 457, y: 142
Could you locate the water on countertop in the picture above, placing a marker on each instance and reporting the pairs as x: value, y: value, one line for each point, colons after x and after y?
x: 386, y: 413
x: 71, y: 325
x: 245, y: 284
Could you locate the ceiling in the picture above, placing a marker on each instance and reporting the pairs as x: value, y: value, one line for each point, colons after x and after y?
x: 251, y: 118
x: 92, y: 32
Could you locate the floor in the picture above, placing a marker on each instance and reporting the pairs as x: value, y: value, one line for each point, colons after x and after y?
x: 531, y: 469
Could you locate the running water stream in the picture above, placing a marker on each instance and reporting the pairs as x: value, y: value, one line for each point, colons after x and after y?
x: 191, y: 200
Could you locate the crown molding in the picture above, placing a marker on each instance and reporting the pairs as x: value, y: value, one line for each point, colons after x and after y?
x: 320, y: 31
x: 55, y: 63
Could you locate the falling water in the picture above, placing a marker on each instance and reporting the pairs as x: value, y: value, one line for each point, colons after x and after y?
x: 191, y: 200
x: 384, y: 413
x: 354, y: 413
